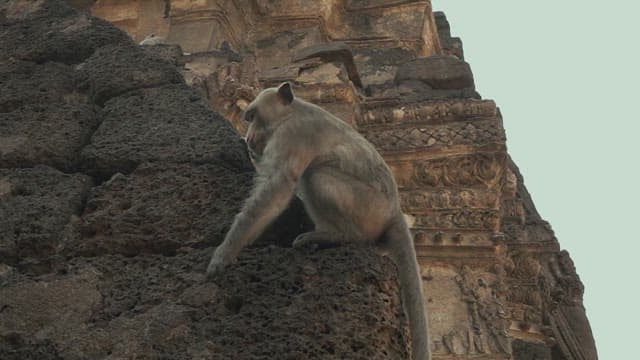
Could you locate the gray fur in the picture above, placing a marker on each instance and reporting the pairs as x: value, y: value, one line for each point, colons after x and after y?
x: 346, y: 187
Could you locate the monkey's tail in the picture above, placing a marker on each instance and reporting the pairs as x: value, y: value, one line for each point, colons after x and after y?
x: 402, y: 251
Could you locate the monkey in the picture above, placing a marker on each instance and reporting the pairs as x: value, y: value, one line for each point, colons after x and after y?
x: 346, y: 187
x: 152, y: 39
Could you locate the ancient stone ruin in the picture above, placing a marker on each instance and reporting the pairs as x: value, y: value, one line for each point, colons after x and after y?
x: 121, y: 166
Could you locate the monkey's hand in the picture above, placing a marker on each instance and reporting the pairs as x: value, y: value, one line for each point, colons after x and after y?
x: 218, y: 262
x: 215, y: 266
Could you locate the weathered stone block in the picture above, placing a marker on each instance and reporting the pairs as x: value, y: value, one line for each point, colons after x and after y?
x: 379, y: 66
x: 169, y: 124
x: 332, y: 52
x: 340, y: 303
x: 45, y: 134
x: 439, y: 72
x: 450, y: 45
x: 278, y: 48
x: 17, y: 347
x: 36, y: 206
x: 169, y: 53
x: 116, y: 69
x: 50, y: 314
x: 60, y: 307
x: 52, y: 31
x: 523, y: 350
x: 28, y: 83
x: 275, y: 303
x: 160, y: 208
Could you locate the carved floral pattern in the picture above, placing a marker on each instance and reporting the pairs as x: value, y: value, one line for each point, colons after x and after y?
x: 479, y: 169
x: 420, y: 201
x: 459, y: 219
x: 463, y: 133
x: 431, y: 112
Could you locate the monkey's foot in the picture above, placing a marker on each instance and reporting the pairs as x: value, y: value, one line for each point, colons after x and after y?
x: 318, y: 240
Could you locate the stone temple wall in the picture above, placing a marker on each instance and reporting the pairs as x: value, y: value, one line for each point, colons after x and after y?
x: 497, y: 284
x: 116, y: 182
x: 496, y: 281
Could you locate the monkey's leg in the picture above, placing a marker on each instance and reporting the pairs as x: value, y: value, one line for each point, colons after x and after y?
x: 342, y: 208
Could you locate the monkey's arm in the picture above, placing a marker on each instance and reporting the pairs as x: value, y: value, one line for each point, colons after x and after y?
x: 270, y: 198
x: 273, y: 190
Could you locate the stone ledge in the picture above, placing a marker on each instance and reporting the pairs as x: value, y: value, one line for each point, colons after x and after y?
x: 276, y: 303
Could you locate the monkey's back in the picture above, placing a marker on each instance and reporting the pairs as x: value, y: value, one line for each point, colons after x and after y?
x: 340, y: 145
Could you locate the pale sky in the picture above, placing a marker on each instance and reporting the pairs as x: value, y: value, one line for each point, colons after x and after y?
x: 566, y: 77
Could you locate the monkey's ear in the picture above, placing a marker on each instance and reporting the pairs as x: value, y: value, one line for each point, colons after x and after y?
x: 285, y: 94
x: 250, y: 114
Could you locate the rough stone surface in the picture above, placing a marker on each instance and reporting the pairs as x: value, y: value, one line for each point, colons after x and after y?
x: 450, y: 45
x: 274, y: 303
x: 170, y: 53
x: 134, y: 67
x: 37, y: 205
x: 116, y: 181
x: 439, y: 72
x: 527, y: 351
x: 160, y: 208
x: 43, y: 134
x: 168, y: 123
x: 59, y: 309
x: 44, y: 31
x: 28, y: 83
x: 497, y: 283
x: 16, y: 347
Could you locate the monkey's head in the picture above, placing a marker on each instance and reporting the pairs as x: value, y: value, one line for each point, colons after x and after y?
x: 269, y: 109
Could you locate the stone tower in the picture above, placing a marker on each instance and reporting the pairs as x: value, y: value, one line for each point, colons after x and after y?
x: 497, y: 283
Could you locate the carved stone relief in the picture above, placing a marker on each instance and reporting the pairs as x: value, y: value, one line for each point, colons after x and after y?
x: 463, y: 219
x: 476, y: 133
x: 487, y: 334
x: 478, y: 170
x: 432, y: 112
